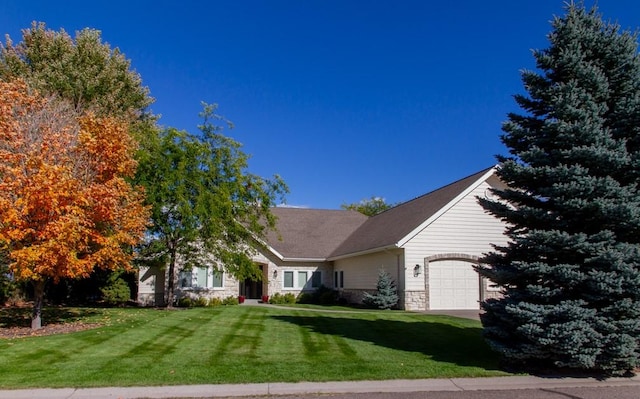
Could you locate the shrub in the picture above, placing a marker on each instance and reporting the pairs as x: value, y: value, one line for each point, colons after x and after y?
x: 185, y: 302
x: 8, y: 288
x: 289, y: 298
x: 116, y: 292
x: 230, y: 300
x: 201, y: 302
x: 305, y: 297
x: 213, y: 302
x: 326, y: 296
x: 276, y: 299
x: 321, y: 296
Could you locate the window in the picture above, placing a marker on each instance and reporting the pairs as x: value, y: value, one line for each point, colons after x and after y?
x: 338, y: 279
x: 302, y: 279
x: 185, y: 279
x: 218, y: 279
x: 316, y: 279
x: 288, y: 279
x: 201, y: 277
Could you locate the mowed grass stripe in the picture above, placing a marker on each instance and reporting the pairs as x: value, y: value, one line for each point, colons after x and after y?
x: 243, y: 337
x: 61, y: 348
x: 137, y: 341
x: 244, y: 344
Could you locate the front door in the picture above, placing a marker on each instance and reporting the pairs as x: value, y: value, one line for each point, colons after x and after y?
x: 251, y: 289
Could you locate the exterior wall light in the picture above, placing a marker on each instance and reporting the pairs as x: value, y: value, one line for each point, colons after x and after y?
x: 416, y: 270
x: 275, y: 273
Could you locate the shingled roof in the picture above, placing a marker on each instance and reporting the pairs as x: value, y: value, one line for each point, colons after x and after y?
x: 321, y: 234
x: 311, y: 233
x: 388, y: 228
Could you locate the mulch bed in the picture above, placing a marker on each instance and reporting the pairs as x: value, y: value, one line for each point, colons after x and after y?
x: 47, y: 329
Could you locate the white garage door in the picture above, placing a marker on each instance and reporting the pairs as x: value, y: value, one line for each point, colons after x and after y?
x: 453, y: 284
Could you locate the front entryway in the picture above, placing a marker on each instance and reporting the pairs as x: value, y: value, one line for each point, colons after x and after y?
x: 453, y: 284
x: 252, y: 289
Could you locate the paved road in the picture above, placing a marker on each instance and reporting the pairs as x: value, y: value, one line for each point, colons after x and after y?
x: 558, y: 393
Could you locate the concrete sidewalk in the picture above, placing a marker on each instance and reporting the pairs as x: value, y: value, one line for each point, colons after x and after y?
x: 212, y: 391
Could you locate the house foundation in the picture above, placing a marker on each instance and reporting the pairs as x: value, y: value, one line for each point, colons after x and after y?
x: 415, y: 300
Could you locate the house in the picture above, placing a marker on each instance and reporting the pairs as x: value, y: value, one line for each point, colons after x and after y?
x: 429, y: 245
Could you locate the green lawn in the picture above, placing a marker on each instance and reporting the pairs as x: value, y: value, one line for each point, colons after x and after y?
x: 244, y: 344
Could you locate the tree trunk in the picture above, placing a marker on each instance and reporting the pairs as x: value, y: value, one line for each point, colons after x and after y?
x: 38, y: 300
x: 172, y: 278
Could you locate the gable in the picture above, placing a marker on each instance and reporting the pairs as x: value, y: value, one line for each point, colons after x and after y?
x: 393, y: 227
x: 464, y: 227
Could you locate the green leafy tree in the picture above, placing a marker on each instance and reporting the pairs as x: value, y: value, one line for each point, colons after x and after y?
x: 369, y: 207
x: 85, y: 71
x: 205, y: 206
x: 571, y: 271
x: 90, y: 75
x: 386, y: 296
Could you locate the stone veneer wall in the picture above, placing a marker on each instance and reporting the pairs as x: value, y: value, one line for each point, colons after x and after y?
x: 414, y: 300
x: 157, y: 299
x: 490, y: 294
x: 231, y: 288
x: 151, y: 299
x: 411, y: 300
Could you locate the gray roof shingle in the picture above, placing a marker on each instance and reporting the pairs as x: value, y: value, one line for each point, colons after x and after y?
x: 322, y: 234
x: 392, y: 225
x: 312, y: 233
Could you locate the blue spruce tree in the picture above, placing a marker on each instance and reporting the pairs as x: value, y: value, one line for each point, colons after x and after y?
x: 386, y: 296
x: 571, y: 272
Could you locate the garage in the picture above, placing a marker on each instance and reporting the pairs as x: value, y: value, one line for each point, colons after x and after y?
x: 453, y: 284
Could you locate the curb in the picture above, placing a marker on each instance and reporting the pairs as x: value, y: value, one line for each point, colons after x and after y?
x: 302, y: 388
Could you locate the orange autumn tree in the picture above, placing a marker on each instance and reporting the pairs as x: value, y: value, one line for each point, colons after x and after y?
x: 65, y: 204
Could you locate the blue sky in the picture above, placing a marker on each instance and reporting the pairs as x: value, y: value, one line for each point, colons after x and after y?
x: 344, y: 99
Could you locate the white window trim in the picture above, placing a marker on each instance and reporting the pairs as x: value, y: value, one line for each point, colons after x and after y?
x: 293, y: 280
x: 296, y: 286
x: 208, y: 284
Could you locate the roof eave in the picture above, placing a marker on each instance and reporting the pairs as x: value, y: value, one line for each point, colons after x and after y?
x: 314, y: 260
x: 364, y: 252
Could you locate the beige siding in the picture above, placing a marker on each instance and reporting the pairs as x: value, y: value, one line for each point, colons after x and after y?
x: 147, y: 280
x: 151, y: 286
x: 361, y: 272
x: 465, y: 228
